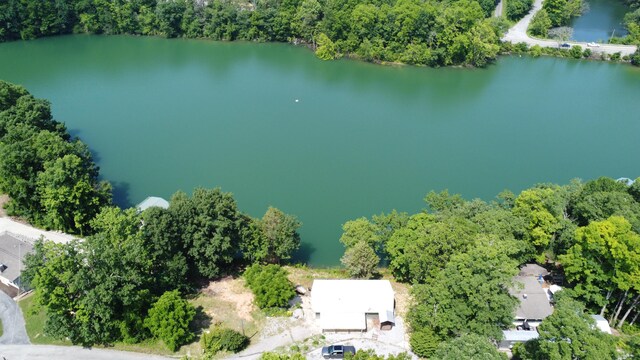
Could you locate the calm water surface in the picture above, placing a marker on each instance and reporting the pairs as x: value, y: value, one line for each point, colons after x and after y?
x: 163, y: 115
x: 603, y: 19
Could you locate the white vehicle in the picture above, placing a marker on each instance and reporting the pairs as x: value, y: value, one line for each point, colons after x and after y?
x: 592, y: 44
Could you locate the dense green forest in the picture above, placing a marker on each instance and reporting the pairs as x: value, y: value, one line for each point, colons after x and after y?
x: 51, y: 178
x: 461, y: 257
x: 409, y: 31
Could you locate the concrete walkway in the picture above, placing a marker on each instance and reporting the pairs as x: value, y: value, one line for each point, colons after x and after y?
x: 31, y: 233
x: 13, y: 329
x: 499, y: 9
x: 518, y: 34
x: 51, y: 352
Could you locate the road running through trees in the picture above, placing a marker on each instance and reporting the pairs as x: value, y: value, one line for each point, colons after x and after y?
x: 518, y: 34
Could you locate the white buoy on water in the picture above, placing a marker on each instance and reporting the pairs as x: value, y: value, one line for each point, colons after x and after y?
x: 297, y: 100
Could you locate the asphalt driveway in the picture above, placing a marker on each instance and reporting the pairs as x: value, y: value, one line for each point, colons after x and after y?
x: 13, y: 330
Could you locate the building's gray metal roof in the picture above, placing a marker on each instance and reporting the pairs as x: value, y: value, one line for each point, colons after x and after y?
x: 533, y: 270
x: 152, y: 201
x: 12, y: 253
x: 534, y: 299
x: 519, y: 335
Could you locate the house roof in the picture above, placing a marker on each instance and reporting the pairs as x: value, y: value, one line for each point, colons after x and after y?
x: 152, y: 201
x: 519, y: 335
x: 533, y: 270
x: 344, y: 302
x: 12, y: 253
x: 534, y: 300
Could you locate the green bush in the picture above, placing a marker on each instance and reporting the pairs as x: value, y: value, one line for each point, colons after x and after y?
x: 535, y: 51
x: 270, y: 285
x: 223, y: 339
x: 424, y: 343
x: 586, y: 53
x: 615, y: 56
x: 635, y: 58
x: 169, y: 319
x: 576, y: 52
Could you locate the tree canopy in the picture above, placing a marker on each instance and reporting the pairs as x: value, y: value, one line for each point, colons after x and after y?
x: 568, y: 334
x: 50, y: 178
x: 417, y: 32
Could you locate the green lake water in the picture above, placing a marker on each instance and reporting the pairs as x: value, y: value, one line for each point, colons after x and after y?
x: 163, y: 115
x: 603, y: 20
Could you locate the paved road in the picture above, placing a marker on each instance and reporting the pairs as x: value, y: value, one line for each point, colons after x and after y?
x: 498, y: 11
x: 51, y: 352
x: 13, y: 330
x: 518, y: 33
x: 31, y: 233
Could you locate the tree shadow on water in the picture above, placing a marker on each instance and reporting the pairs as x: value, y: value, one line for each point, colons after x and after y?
x: 121, y: 194
x: 303, y: 255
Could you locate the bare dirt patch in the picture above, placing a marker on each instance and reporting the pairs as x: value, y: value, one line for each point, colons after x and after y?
x: 234, y: 292
x: 402, y: 296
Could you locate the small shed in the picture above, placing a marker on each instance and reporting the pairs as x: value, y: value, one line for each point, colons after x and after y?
x: 152, y: 201
x: 345, y: 305
x: 602, y: 323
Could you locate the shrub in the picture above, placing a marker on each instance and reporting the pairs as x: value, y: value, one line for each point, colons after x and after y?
x: 360, y: 260
x: 635, y: 58
x: 586, y: 53
x: 424, y: 343
x: 169, y: 319
x: 223, y: 339
x: 536, y: 50
x: 615, y: 56
x: 270, y: 285
x: 576, y: 52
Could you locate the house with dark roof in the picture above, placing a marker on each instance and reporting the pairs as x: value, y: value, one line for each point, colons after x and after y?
x: 534, y: 296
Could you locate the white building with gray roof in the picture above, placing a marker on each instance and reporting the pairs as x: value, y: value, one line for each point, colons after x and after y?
x: 13, y: 249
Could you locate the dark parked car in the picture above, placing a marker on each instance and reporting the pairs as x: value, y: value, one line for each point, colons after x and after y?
x: 337, y: 351
x: 565, y: 45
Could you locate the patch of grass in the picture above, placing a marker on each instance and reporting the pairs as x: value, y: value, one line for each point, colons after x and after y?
x: 303, y: 275
x: 34, y: 319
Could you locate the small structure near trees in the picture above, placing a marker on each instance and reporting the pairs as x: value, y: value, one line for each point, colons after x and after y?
x: 152, y: 201
x: 13, y: 249
x: 346, y: 305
